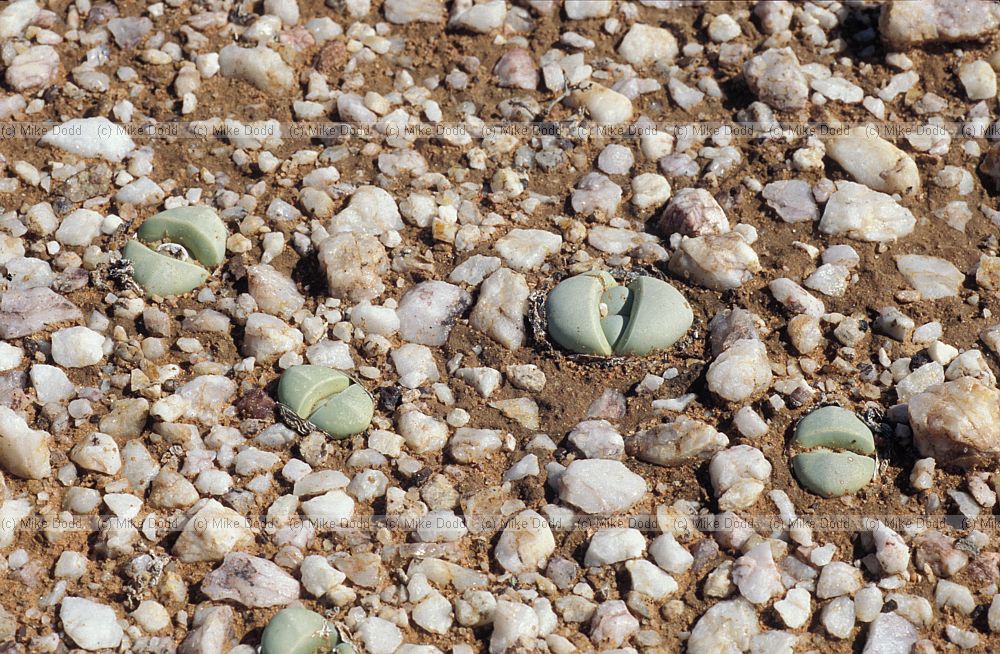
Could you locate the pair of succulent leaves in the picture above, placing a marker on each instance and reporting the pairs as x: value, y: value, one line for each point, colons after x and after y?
x: 593, y: 314
x: 834, y: 452
x: 327, y: 398
x: 198, y: 231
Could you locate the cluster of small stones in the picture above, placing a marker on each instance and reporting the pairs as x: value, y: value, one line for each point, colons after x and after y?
x: 413, y: 264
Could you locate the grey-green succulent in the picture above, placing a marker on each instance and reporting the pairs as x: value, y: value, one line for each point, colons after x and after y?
x: 165, y: 269
x: 297, y: 630
x: 327, y: 398
x: 592, y: 313
x: 834, y: 452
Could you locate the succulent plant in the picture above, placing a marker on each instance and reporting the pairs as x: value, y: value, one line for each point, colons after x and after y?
x: 298, y: 631
x: 836, y: 447
x: 592, y: 313
x: 327, y: 398
x: 167, y: 269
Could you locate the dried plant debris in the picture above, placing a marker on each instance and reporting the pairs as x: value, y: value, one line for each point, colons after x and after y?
x: 426, y: 326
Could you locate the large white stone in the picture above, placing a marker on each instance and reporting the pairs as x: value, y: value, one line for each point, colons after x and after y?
x: 262, y: 67
x: 514, y: 626
x: 613, y: 545
x: 738, y: 475
x: 603, y: 104
x: 24, y: 452
x: 525, y: 544
x: 267, y: 337
x: 211, y: 532
x: 726, y: 627
x: 932, y: 277
x: 429, y: 310
x: 600, y: 486
x: 499, y: 312
x: 79, y: 228
x: 91, y: 137
x: 717, y: 261
x: 756, y: 575
x: 856, y: 211
x: 526, y: 249
x: 371, y: 211
x: 740, y: 372
x: 91, y: 625
x: 77, y: 347
x: 644, y: 45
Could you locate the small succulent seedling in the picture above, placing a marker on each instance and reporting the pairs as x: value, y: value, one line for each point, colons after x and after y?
x: 327, y: 399
x: 186, y: 241
x: 298, y: 631
x: 593, y: 314
x: 836, y: 449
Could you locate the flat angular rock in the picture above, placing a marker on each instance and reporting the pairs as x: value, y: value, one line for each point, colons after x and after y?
x: 725, y: 627
x: 612, y: 624
x: 600, y: 486
x: 957, y: 423
x: 402, y: 12
x: 24, y: 312
x: 515, y: 626
x: 873, y: 161
x: 478, y: 17
x: 251, y: 581
x: 718, y: 261
x: 428, y: 311
x: 756, y: 575
x: 211, y: 532
x: 91, y: 625
x: 738, y: 475
x: 907, y: 24
x: 371, y: 210
x: 693, y: 212
x: 645, y: 44
x: 856, y: 211
x: 516, y: 69
x: 792, y: 200
x: 16, y: 16
x: 890, y: 634
x: 526, y: 249
x: 354, y: 265
x: 740, y: 372
x: 597, y: 439
x: 501, y: 307
x: 604, y: 105
x: 932, y: 277
x: 24, y: 452
x: 77, y: 347
x: 212, y: 631
x: 795, y: 299
x: 525, y: 544
x: 129, y: 31
x: 776, y: 78
x: 261, y: 67
x: 596, y: 194
x: 584, y: 9
x: 95, y: 137
x: 36, y: 67
x: 678, y: 442
x: 274, y: 291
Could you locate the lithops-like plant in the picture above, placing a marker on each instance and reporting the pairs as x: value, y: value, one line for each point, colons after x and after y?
x: 593, y: 314
x: 834, y: 451
x: 174, y: 250
x: 329, y: 399
x: 297, y: 630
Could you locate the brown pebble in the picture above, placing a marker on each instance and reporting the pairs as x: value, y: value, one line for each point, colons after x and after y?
x: 255, y: 403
